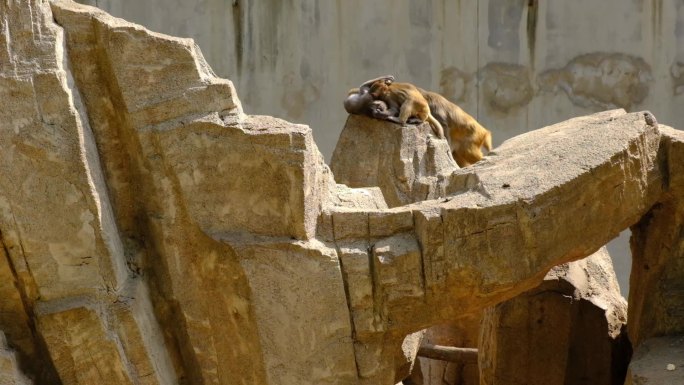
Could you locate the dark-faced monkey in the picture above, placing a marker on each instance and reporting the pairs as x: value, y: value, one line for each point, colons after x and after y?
x: 466, y: 135
x: 359, y: 101
x: 407, y: 99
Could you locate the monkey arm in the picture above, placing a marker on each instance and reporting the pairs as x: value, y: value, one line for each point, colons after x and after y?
x: 386, y: 115
x: 353, y: 91
x: 380, y: 111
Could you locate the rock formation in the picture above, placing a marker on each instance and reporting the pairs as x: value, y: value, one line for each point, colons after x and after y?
x: 461, y: 333
x: 153, y: 233
x: 407, y: 163
x: 516, y: 333
x: 656, y: 300
x: 10, y: 373
x: 568, y: 331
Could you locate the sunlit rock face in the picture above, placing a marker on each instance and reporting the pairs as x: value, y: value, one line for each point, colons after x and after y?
x: 154, y: 233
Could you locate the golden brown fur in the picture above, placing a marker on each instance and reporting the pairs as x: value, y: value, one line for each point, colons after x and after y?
x: 466, y: 135
x: 408, y: 100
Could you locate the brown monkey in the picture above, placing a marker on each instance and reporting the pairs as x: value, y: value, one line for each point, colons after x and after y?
x: 359, y: 101
x: 407, y: 99
x: 466, y: 135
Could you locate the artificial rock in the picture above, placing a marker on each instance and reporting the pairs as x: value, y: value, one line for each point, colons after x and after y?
x: 154, y: 233
x: 570, y: 330
x: 407, y: 163
x: 10, y: 372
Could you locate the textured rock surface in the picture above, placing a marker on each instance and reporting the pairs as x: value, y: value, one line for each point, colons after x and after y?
x: 58, y: 232
x: 217, y: 188
x: 408, y: 163
x: 464, y: 333
x: 497, y: 240
x: 153, y: 233
x: 656, y: 301
x: 10, y: 373
x: 569, y: 330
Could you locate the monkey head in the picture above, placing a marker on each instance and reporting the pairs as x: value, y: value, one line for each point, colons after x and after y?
x: 379, y: 89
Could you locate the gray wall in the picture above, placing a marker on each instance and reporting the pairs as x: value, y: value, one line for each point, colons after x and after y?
x: 516, y: 65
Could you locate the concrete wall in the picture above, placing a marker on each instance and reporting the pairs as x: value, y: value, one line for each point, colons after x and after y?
x: 516, y: 65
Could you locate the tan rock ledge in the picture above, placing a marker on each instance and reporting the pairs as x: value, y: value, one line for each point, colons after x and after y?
x: 154, y: 233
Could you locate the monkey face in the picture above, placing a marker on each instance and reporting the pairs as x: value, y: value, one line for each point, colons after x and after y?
x: 379, y: 89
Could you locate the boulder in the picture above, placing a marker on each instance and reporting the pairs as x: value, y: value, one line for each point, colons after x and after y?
x: 655, y: 301
x: 407, y: 163
x: 154, y: 233
x: 569, y: 330
x: 655, y: 297
x: 10, y: 373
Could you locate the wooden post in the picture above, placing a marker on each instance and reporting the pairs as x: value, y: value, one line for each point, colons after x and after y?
x: 448, y: 353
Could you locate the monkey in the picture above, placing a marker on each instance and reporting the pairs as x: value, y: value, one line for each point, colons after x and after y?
x: 359, y: 101
x: 407, y: 99
x: 466, y: 135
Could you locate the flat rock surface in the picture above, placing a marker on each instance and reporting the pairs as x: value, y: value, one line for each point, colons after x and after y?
x: 658, y: 361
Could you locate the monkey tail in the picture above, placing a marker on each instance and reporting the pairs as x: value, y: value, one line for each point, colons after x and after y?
x: 436, y: 126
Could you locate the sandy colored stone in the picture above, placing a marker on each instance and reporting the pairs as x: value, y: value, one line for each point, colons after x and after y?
x: 655, y: 303
x: 10, y: 373
x: 15, y: 324
x: 284, y: 169
x: 80, y: 349
x: 301, y: 311
x: 158, y: 234
x: 497, y: 240
x: 493, y: 242
x: 59, y: 234
x: 408, y: 163
x: 569, y: 330
x: 463, y: 333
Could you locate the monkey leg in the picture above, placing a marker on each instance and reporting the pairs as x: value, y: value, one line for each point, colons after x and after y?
x: 467, y: 154
x: 385, y: 115
x: 462, y: 162
x: 406, y: 112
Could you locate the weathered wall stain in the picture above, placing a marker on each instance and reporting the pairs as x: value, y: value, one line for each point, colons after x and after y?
x: 453, y: 83
x: 505, y: 86
x: 677, y: 73
x: 601, y: 80
x: 532, y: 17
x: 504, y: 18
x: 238, y: 27
x: 299, y: 99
